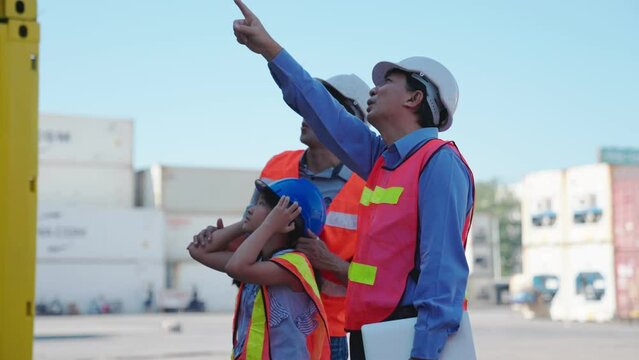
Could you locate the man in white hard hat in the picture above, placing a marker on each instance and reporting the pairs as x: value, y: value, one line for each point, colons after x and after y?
x: 341, y: 189
x: 417, y: 205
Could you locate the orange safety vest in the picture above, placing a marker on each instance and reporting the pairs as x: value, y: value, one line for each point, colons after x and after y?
x: 257, y: 345
x: 388, y: 226
x: 339, y: 233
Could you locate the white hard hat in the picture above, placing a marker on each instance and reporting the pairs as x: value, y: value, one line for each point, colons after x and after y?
x: 434, y: 72
x: 351, y: 87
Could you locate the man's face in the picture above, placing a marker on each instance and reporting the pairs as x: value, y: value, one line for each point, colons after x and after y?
x: 388, y: 98
x: 307, y: 136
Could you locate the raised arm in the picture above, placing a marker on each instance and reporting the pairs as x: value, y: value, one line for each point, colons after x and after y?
x: 245, y: 267
x: 344, y: 134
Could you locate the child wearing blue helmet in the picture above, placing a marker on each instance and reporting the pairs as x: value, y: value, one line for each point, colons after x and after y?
x: 279, y: 314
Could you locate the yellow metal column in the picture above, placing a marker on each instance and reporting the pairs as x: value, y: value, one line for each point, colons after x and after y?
x: 19, y: 39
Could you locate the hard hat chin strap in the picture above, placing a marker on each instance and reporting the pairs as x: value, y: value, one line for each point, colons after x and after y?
x: 432, y: 96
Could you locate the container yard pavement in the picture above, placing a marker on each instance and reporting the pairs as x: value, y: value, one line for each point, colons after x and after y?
x: 499, y: 334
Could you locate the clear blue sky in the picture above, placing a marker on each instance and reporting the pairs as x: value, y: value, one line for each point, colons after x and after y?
x: 542, y: 83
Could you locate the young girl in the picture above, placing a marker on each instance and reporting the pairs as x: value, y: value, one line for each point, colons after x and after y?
x: 279, y: 314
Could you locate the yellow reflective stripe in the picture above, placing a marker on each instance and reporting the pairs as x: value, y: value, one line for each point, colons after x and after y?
x: 366, y: 196
x: 303, y: 268
x: 362, y: 273
x: 381, y: 196
x: 255, y: 345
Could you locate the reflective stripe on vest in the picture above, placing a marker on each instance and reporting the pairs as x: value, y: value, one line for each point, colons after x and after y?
x: 257, y: 329
x: 304, y: 268
x: 341, y: 220
x: 381, y: 195
x: 362, y: 273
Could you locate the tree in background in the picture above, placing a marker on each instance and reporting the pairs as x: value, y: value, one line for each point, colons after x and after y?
x: 501, y: 201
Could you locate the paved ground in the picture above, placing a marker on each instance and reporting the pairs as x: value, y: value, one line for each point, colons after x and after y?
x: 499, y: 334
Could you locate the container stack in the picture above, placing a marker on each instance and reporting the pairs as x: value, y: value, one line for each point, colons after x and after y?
x: 192, y: 199
x: 95, y: 252
x: 579, y: 240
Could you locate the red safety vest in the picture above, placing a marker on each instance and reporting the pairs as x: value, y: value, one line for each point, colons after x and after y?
x: 257, y: 345
x: 388, y: 226
x: 339, y: 233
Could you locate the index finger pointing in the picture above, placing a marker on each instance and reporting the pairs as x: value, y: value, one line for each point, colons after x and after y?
x: 248, y: 14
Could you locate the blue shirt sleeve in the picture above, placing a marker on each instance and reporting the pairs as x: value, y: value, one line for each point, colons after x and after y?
x: 445, y: 198
x: 342, y: 133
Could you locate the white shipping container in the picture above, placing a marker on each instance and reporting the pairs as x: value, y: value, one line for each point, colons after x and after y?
x: 589, y: 194
x: 542, y: 208
x: 89, y: 284
x: 82, y: 233
x: 214, y: 288
x: 543, y: 260
x: 181, y: 227
x: 181, y: 189
x: 587, y: 286
x: 110, y: 186
x: 78, y: 140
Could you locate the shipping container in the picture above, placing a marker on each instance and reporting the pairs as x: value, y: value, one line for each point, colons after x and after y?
x: 182, y: 189
x: 68, y: 140
x: 89, y: 286
x: 627, y: 271
x: 105, y: 186
x: 482, y: 249
x: 588, y: 190
x: 69, y: 233
x: 625, y: 200
x: 587, y: 284
x: 214, y: 288
x: 543, y: 204
x: 543, y: 260
x: 181, y: 227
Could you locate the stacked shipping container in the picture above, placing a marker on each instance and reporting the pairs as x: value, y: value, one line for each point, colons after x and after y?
x: 583, y: 245
x: 95, y: 253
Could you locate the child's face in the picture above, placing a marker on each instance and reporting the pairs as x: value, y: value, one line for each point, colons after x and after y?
x: 256, y: 214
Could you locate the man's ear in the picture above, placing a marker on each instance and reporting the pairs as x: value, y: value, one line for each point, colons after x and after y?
x: 414, y: 100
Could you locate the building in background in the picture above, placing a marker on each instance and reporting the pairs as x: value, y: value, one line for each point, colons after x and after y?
x: 580, y: 235
x: 484, y: 260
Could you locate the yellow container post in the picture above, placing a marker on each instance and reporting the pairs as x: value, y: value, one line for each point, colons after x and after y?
x: 19, y: 40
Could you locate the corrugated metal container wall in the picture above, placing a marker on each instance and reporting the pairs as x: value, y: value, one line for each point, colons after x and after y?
x: 627, y: 270
x: 71, y: 233
x: 85, y: 185
x: 589, y: 195
x: 587, y: 287
x: 543, y: 260
x: 180, y: 228
x: 74, y: 140
x: 542, y: 205
x: 214, y: 288
x: 89, y: 283
x: 625, y: 199
x: 181, y: 189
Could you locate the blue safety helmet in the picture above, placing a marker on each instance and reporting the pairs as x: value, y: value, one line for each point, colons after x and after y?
x: 304, y: 192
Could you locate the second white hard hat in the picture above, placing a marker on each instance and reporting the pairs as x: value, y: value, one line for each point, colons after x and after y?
x: 432, y: 71
x: 351, y: 87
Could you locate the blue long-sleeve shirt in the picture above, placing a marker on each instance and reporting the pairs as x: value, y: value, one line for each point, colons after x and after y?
x: 445, y: 198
